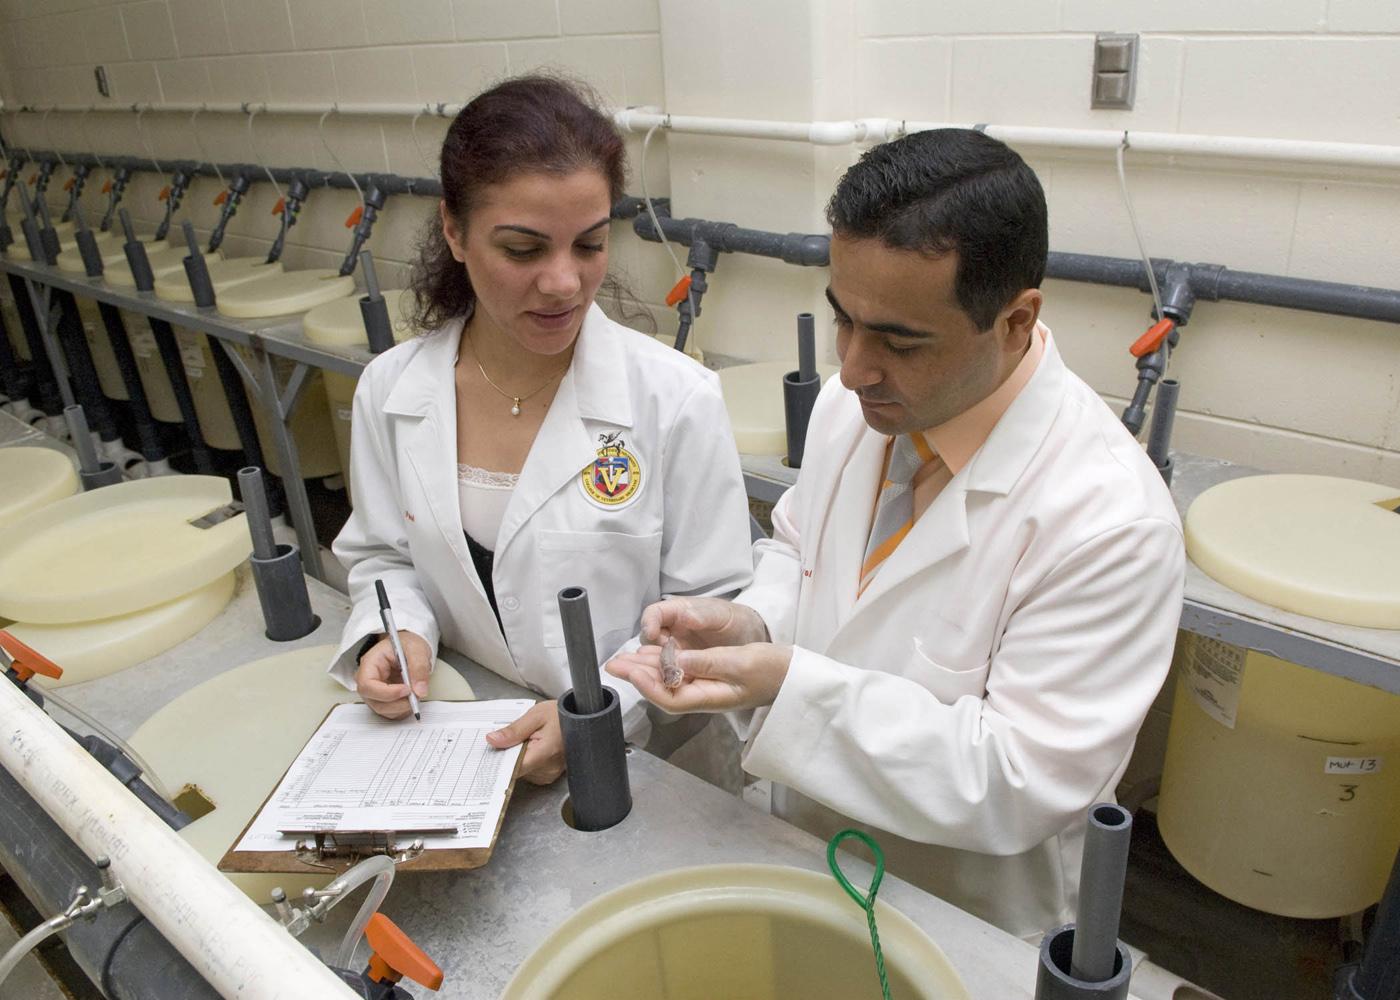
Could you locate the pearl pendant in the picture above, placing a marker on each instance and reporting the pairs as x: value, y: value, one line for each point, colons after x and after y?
x: 515, y: 407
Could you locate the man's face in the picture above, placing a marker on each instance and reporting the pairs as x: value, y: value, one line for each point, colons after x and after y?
x: 908, y: 350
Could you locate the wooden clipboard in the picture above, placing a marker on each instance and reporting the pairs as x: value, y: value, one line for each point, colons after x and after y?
x: 287, y: 862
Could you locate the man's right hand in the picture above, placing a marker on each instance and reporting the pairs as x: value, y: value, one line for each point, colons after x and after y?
x: 702, y: 622
x: 378, y: 680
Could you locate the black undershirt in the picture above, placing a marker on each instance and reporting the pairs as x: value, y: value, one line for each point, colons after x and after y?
x: 484, y: 560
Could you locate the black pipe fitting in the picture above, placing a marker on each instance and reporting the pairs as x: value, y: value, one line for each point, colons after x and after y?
x: 179, y: 184
x: 237, y: 188
x: 120, y: 179
x: 375, y: 196
x: 80, y: 176
x: 297, y: 192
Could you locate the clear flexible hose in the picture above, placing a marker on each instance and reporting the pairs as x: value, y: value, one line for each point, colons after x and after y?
x: 29, y: 942
x: 381, y: 869
x: 150, y: 776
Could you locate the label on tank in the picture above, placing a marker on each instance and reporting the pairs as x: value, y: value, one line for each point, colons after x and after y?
x: 193, y: 359
x: 144, y: 344
x: 1352, y: 765
x: 1215, y: 675
x: 343, y: 413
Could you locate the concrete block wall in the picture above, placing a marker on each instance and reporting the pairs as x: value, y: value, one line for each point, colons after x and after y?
x: 1278, y: 389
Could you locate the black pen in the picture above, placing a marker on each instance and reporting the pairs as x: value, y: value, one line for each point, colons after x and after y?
x: 386, y: 615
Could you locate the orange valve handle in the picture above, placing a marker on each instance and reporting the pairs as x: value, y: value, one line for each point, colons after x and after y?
x: 33, y: 179
x: 164, y: 194
x: 28, y: 661
x: 355, y: 217
x: 221, y: 197
x: 107, y: 187
x: 1152, y: 339
x: 395, y: 955
x: 68, y: 184
x: 678, y: 291
x: 281, y: 204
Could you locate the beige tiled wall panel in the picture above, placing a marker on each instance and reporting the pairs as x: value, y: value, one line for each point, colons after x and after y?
x: 1046, y: 81
x: 1363, y: 15
x: 200, y: 27
x: 922, y: 17
x: 1340, y: 89
x: 1194, y: 15
x: 906, y: 78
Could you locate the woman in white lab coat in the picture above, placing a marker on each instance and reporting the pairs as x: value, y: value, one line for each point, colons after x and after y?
x: 529, y: 443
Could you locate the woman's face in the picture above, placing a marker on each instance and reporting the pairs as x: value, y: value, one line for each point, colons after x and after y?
x: 536, y: 250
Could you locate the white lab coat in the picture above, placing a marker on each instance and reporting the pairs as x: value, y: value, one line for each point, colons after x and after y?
x: 988, y: 686
x: 685, y: 531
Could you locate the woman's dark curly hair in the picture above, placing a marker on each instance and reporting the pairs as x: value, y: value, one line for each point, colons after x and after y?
x: 525, y: 124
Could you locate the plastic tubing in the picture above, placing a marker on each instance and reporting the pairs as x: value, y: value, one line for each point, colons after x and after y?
x: 29, y: 942
x: 381, y: 869
x: 150, y: 776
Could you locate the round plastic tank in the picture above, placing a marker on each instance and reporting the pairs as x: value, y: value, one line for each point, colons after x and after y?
x: 154, y: 381
x: 31, y: 478
x: 92, y: 649
x: 760, y: 932
x: 294, y: 293
x: 340, y: 324
x: 1281, y: 788
x: 753, y: 395
x: 210, y: 403
x: 233, y: 737
x: 119, y: 549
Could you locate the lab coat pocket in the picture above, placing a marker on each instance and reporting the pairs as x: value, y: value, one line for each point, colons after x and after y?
x: 621, y: 573
x: 945, y: 683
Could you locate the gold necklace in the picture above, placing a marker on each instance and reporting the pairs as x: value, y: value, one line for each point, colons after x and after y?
x: 515, y: 400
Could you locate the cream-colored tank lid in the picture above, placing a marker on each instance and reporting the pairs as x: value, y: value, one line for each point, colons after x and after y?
x: 223, y: 274
x: 1313, y: 545
x: 19, y: 249
x: 164, y: 261
x: 753, y: 395
x: 118, y: 549
x: 64, y: 229
x: 109, y: 245
x: 31, y: 478
x: 286, y: 294
x: 340, y: 323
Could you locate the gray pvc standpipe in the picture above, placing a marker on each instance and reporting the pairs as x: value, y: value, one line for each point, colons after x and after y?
x: 374, y: 310
x: 1101, y: 892
x: 277, y: 571
x: 590, y: 721
x: 1054, y: 981
x: 92, y: 471
x: 800, y: 390
x: 595, y: 754
x: 196, y: 270
x: 1159, y: 434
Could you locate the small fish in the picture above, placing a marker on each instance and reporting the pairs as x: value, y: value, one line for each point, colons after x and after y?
x: 671, y: 672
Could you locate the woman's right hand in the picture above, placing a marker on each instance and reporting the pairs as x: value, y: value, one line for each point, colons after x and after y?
x: 378, y: 681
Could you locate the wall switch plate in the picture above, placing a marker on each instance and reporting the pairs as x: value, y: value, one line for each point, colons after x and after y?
x: 1115, y: 72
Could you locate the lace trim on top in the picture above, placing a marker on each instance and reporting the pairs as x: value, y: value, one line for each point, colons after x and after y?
x: 470, y: 475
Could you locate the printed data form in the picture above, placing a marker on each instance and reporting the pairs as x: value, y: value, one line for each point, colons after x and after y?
x: 361, y: 772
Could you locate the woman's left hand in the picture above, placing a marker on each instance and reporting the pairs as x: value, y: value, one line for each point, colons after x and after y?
x: 538, y: 729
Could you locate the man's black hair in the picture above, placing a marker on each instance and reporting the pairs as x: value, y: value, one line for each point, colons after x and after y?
x: 955, y: 190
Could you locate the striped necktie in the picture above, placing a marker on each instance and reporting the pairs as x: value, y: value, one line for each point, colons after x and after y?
x: 894, y: 511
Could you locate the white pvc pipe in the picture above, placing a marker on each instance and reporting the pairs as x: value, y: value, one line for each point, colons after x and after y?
x: 240, y: 950
x: 840, y: 133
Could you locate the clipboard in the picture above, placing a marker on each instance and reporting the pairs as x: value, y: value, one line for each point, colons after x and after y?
x: 358, y: 845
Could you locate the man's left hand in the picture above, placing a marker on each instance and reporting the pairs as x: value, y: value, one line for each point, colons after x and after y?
x: 719, y: 679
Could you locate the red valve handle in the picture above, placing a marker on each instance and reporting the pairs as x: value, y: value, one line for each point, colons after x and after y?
x: 355, y: 217
x: 28, y: 662
x: 395, y: 955
x: 1152, y: 339
x: 281, y: 204
x: 678, y: 291
x: 221, y: 197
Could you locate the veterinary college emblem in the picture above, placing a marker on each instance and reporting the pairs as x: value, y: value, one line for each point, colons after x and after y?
x: 615, y: 477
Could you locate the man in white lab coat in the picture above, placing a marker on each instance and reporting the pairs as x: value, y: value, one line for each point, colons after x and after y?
x: 972, y: 591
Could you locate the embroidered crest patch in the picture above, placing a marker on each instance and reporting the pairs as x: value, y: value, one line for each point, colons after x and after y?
x: 614, y: 478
